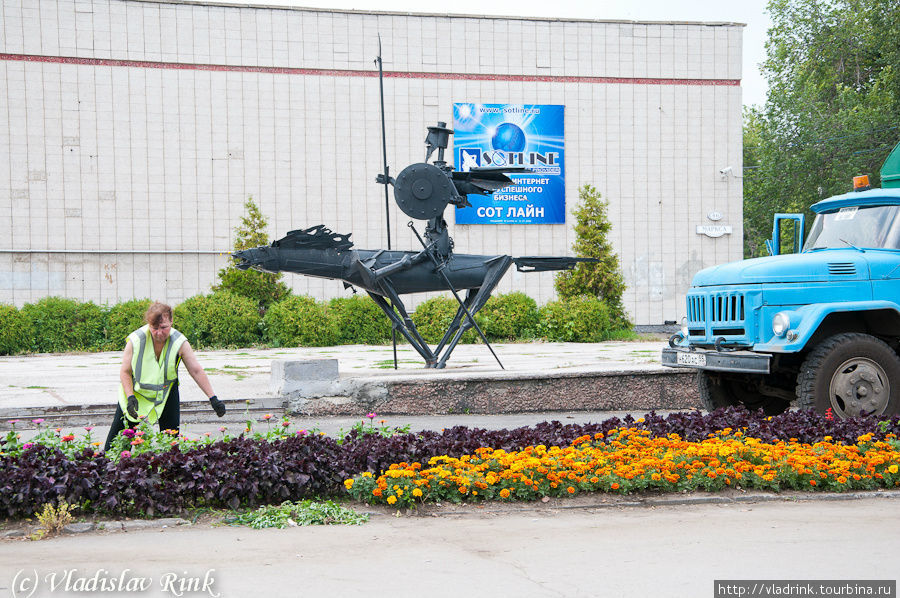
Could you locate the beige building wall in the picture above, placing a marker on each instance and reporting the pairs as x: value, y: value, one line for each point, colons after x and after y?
x: 132, y: 132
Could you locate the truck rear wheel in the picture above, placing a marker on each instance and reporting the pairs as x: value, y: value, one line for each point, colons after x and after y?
x: 852, y: 374
x: 728, y: 390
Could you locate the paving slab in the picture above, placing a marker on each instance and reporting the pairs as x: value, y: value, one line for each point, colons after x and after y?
x: 87, y: 383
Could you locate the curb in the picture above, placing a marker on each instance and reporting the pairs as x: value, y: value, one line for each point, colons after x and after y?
x: 625, y: 501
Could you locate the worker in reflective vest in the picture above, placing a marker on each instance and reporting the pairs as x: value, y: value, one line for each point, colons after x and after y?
x: 149, y: 375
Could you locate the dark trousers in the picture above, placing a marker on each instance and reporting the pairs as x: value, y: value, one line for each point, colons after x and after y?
x: 169, y: 419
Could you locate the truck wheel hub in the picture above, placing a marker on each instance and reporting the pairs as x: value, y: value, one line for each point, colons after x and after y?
x: 859, y: 386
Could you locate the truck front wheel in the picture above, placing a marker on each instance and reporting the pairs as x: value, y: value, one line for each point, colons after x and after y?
x: 852, y: 374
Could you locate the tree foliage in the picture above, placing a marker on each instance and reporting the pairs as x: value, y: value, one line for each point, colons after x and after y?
x: 833, y: 107
x: 602, y: 279
x: 265, y: 288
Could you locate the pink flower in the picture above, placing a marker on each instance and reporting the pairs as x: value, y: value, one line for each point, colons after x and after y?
x: 372, y: 415
x: 137, y: 441
x: 88, y: 428
x: 125, y: 454
x: 285, y: 424
x: 267, y: 416
x: 68, y: 438
x: 13, y: 422
x: 222, y: 429
x: 301, y: 432
x: 37, y: 421
x: 28, y: 445
x: 128, y: 433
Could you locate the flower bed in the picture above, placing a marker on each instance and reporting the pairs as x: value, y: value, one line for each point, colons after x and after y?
x: 152, y: 473
x: 632, y: 460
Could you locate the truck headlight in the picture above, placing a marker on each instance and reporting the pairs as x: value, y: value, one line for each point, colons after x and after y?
x: 684, y: 328
x: 781, y: 323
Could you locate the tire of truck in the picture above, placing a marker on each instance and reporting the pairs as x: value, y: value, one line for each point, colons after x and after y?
x: 852, y: 374
x: 714, y: 391
x: 724, y: 390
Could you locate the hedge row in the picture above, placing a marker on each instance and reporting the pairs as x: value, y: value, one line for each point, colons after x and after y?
x: 223, y: 319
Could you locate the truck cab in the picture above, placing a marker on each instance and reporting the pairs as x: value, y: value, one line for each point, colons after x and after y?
x: 817, y: 328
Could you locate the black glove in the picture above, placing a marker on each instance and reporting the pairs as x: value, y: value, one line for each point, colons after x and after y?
x: 217, y: 405
x: 132, y: 407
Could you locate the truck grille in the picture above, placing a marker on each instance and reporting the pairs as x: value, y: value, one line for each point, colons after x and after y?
x: 715, y: 314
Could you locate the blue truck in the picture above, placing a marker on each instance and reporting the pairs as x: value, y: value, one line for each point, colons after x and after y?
x: 816, y: 326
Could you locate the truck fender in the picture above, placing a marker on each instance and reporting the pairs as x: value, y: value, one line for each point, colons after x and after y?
x: 805, y: 322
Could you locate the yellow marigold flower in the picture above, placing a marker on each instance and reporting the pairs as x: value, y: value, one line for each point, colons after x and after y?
x: 348, y: 484
x: 391, y: 499
x: 893, y: 468
x: 417, y: 492
x: 504, y: 493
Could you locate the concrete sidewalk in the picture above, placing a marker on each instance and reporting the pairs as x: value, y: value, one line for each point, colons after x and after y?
x: 88, y: 382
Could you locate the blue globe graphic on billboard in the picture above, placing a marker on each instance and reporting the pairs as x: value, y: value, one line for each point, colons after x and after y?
x: 508, y: 138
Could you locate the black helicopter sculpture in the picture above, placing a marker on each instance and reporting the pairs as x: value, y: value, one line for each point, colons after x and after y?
x: 422, y: 191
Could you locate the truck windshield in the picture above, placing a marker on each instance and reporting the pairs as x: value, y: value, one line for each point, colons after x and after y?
x: 870, y: 228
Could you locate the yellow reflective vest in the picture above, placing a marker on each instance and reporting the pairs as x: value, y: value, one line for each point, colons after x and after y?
x: 152, y: 378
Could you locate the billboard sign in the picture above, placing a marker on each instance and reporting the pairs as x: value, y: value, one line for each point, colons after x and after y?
x: 528, y: 135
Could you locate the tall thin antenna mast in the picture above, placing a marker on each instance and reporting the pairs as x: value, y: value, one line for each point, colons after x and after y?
x: 385, y: 178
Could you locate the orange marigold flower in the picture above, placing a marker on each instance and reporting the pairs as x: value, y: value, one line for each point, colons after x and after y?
x: 504, y: 493
x: 615, y: 486
x: 570, y: 490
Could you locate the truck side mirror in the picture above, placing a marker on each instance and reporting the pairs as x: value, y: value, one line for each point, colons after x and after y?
x: 787, y: 234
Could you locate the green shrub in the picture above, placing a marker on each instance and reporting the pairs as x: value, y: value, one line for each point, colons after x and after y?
x: 508, y: 317
x: 65, y: 325
x: 576, y: 320
x: 16, y: 331
x: 264, y: 288
x: 358, y: 320
x: 299, y: 321
x: 602, y: 279
x: 433, y: 316
x: 121, y: 320
x: 218, y: 320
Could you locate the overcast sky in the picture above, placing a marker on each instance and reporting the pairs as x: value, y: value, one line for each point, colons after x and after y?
x: 750, y: 12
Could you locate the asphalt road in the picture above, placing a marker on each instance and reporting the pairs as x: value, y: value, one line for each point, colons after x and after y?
x: 526, y: 550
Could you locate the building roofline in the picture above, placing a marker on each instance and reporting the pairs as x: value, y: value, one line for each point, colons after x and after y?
x: 440, y: 15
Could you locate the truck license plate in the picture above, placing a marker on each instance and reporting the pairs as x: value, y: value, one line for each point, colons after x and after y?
x: 698, y: 359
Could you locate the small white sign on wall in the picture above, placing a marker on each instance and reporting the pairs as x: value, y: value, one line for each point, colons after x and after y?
x: 714, y: 230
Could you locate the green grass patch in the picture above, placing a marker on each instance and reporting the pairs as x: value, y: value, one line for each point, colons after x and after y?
x: 292, y: 514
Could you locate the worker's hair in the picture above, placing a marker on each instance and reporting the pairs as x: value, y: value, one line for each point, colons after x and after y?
x: 157, y: 312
